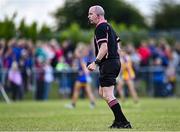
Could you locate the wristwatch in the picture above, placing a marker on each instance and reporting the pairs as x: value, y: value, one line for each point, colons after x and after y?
x: 97, y: 61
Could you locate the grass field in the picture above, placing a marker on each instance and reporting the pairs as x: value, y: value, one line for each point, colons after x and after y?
x: 148, y: 115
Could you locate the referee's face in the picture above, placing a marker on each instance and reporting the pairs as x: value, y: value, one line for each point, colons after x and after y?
x: 92, y: 16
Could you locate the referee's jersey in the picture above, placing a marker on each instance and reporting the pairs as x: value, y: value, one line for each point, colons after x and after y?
x: 105, y: 33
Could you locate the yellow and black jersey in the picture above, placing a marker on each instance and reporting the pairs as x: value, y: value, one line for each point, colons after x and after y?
x: 127, y: 70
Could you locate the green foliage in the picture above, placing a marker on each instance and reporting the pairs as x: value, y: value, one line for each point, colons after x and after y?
x: 167, y: 37
x: 77, y: 11
x: 7, y: 28
x: 76, y: 34
x: 32, y: 32
x: 28, y: 32
x: 119, y: 27
x: 22, y: 29
x: 130, y: 34
x: 168, y: 16
x: 45, y: 33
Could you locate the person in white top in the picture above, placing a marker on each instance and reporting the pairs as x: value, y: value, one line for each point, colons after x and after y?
x: 15, y: 79
x: 48, y: 78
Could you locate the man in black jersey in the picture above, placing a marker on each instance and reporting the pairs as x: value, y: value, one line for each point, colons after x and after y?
x: 107, y: 48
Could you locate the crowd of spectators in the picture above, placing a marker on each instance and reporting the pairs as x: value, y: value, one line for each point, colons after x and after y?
x: 26, y: 66
x: 158, y: 63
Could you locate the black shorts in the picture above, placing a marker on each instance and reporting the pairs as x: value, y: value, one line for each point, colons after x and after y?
x: 109, y: 70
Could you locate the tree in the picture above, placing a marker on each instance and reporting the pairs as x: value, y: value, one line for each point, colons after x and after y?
x: 7, y: 28
x: 76, y: 11
x: 32, y: 31
x: 75, y: 34
x: 22, y: 29
x: 168, y: 15
x: 29, y: 32
x: 45, y: 32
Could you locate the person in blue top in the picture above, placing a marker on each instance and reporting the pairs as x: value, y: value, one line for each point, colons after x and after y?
x: 159, y: 78
x: 83, y: 77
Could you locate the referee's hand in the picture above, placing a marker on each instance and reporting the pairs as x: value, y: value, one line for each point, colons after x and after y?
x: 92, y: 66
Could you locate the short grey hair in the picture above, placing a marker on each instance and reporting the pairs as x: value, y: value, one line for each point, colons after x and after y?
x: 99, y: 10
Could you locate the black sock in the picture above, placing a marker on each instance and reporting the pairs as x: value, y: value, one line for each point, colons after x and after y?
x: 116, y: 108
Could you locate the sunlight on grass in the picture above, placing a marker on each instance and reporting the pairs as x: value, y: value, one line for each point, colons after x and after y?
x: 149, y: 114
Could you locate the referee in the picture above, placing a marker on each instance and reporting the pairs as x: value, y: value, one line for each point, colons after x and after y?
x: 107, y: 48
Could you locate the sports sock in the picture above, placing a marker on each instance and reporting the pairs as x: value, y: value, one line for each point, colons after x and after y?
x: 116, y: 108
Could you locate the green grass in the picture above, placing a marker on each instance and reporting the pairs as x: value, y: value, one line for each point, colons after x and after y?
x: 148, y: 115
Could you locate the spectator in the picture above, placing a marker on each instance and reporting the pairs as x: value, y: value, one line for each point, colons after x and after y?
x: 68, y: 50
x: 40, y: 73
x: 15, y: 79
x: 171, y: 72
x: 159, y: 79
x: 48, y: 78
x: 144, y: 53
x: 57, y: 51
x: 62, y: 68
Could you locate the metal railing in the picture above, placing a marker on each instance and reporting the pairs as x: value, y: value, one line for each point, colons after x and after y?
x: 144, y: 81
